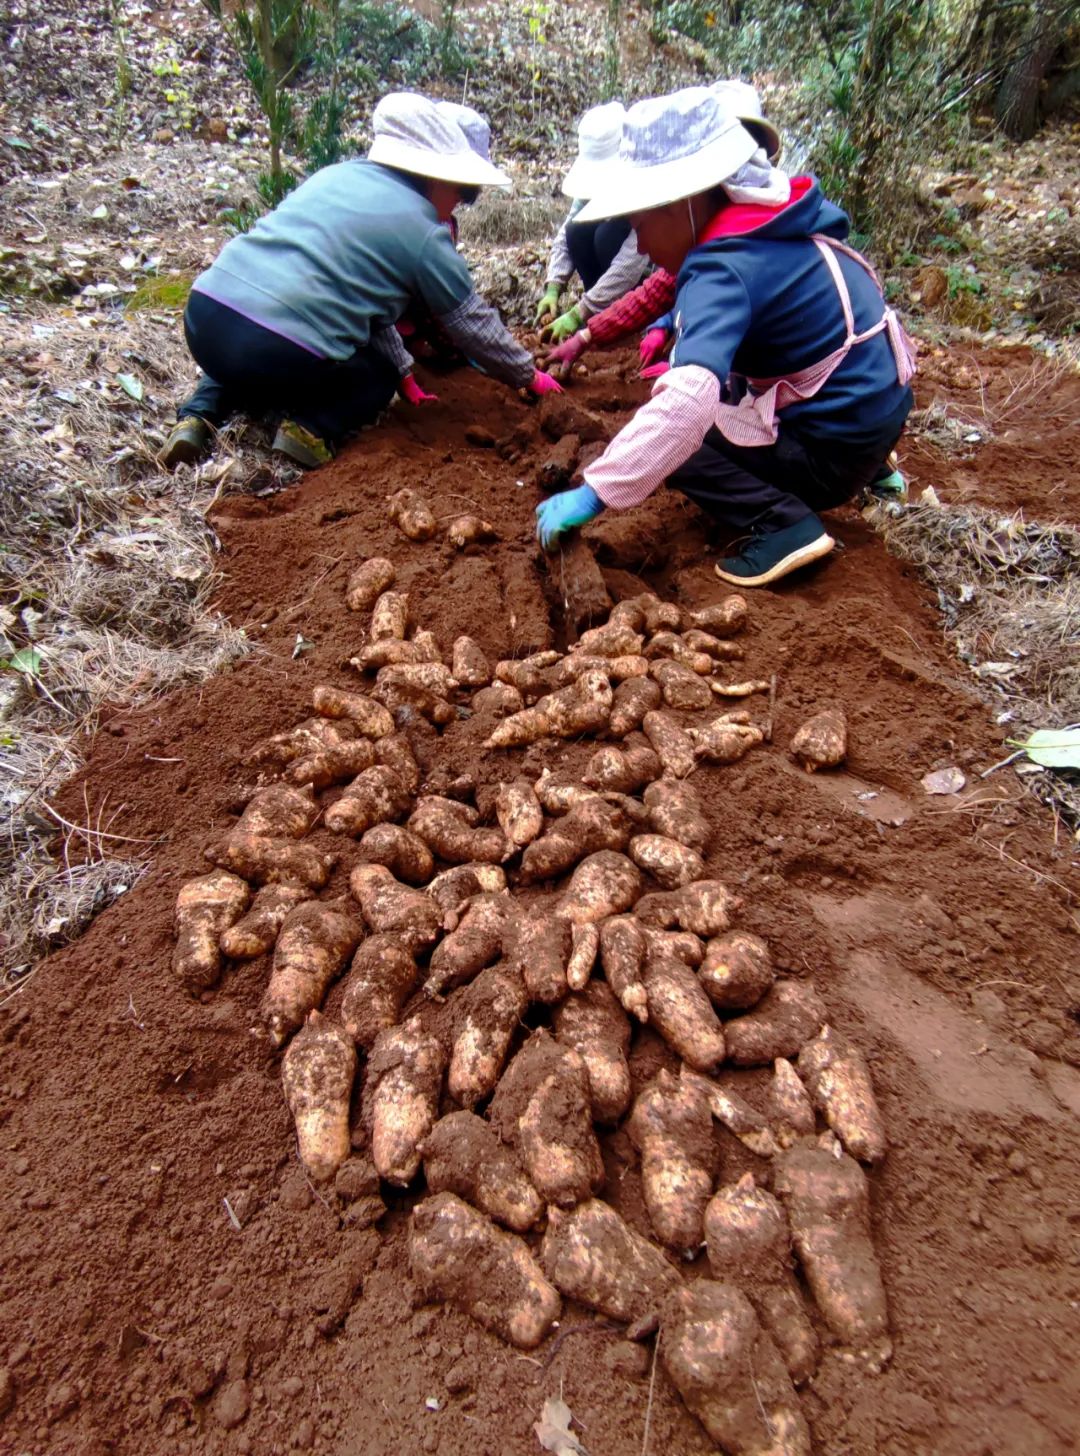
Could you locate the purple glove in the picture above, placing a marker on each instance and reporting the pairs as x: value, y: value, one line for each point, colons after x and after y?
x: 568, y: 352
x: 542, y: 383
x: 410, y: 390
x: 653, y: 343
x: 654, y: 371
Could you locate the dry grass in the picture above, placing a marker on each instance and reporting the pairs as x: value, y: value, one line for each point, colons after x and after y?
x: 1009, y: 591
x: 107, y: 571
x: 497, y: 220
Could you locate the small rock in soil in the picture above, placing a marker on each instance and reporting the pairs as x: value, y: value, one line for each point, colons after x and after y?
x: 60, y: 1401
x: 292, y: 1385
x: 295, y: 1193
x: 1039, y: 1239
x: 305, y: 1434
x: 627, y: 1360
x: 459, y: 1378
x: 232, y: 1404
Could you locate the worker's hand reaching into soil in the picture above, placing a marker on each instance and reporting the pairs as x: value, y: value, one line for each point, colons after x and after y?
x: 542, y: 383
x: 561, y: 513
x: 561, y: 360
x: 653, y: 343
x: 547, y: 305
x: 410, y: 390
x: 566, y: 324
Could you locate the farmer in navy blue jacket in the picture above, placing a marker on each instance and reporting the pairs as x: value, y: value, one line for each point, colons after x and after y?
x: 788, y: 384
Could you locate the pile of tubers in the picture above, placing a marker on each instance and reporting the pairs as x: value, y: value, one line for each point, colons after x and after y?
x: 427, y: 1061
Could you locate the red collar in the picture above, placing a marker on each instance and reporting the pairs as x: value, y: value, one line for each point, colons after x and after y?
x: 744, y: 217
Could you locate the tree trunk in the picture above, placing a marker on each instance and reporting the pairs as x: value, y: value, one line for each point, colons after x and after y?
x: 1016, y: 105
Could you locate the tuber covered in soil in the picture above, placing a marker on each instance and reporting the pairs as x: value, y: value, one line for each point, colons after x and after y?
x: 837, y: 1077
x: 724, y: 741
x: 464, y: 1155
x: 401, y: 1098
x: 623, y: 770
x: 366, y: 716
x: 821, y: 742
x: 450, y: 830
x: 588, y: 827
x: 488, y: 1012
x: 584, y: 948
x: 469, y: 664
x: 332, y: 764
x: 682, y: 1013
x: 264, y: 861
x: 388, y: 906
x: 519, y: 813
x: 317, y: 1072
x: 780, y: 1025
x: 583, y: 707
x: 671, y: 1127
x: 591, y: 1255
x: 722, y: 619
x: 381, y: 978
x: 681, y: 686
x: 280, y: 811
x: 390, y: 616
x: 403, y: 853
x: 538, y: 949
x: 675, y: 811
x: 314, y: 944
x: 373, y: 797
x: 622, y: 955
x: 458, y: 1255
x: 205, y: 909
x: 452, y: 889
x: 730, y: 1374
x: 470, y: 531
x: 670, y: 863
x: 256, y: 932
x: 746, y: 1234
x: 789, y: 1105
x: 737, y: 970
x: 729, y: 1109
x: 412, y: 515
x: 603, y: 884
x: 631, y: 700
x: 368, y: 581
x: 542, y: 1106
x: 827, y: 1201
x: 674, y: 748
x: 474, y: 943
x: 595, y: 1026
x: 705, y: 908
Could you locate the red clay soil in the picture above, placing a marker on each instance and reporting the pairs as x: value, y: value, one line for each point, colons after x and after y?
x: 172, y: 1282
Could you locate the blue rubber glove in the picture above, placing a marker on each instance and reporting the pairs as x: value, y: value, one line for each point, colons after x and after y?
x: 561, y: 513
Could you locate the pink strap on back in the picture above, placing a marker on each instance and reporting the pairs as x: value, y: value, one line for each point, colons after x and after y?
x: 752, y: 422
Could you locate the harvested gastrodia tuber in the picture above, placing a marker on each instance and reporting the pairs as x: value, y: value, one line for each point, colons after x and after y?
x: 368, y: 717
x: 675, y: 811
x: 749, y: 1244
x: 381, y: 978
x: 588, y: 827
x: 368, y: 581
x: 595, y: 1026
x: 583, y: 707
x: 317, y: 1073
x: 205, y: 908
x: 737, y: 970
x: 373, y: 797
x: 390, y: 616
x: 730, y: 1374
x: 542, y: 1107
x: 264, y: 861
x: 306, y: 738
x: 724, y: 741
x: 671, y: 1126
x: 487, y: 1013
x: 821, y: 742
x: 826, y: 1195
x: 603, y: 884
x: 788, y: 1102
x: 704, y: 908
x: 780, y: 1025
x: 313, y: 946
x: 401, y: 851
x: 464, y: 1155
x: 682, y: 1013
x: 280, y: 811
x: 623, y: 770
x: 681, y: 686
x: 631, y: 700
x: 451, y: 831
x: 256, y: 932
x: 722, y: 619
x: 838, y: 1080
x: 591, y: 1255
x: 412, y: 515
x: 538, y: 949
x: 388, y: 906
x: 452, y: 889
x: 476, y: 942
x: 745, y: 1122
x: 518, y: 810
x: 670, y: 863
x: 674, y: 747
x: 470, y: 531
x: 401, y: 1098
x: 458, y: 1255
x: 622, y: 956
x: 469, y: 664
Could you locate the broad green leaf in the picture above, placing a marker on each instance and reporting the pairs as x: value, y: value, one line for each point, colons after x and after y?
x: 1053, y: 747
x: 130, y: 385
x: 27, y: 659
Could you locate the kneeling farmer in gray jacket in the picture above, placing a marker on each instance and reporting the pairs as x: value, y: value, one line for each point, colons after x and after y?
x: 297, y: 316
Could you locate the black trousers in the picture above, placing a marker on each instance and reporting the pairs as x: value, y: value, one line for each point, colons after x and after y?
x: 593, y: 246
x: 767, y: 488
x: 249, y: 369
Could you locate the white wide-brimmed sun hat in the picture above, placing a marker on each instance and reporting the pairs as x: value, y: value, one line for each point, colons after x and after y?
x: 413, y: 134
x: 599, y: 134
x: 739, y: 99
x: 473, y: 124
x: 672, y: 147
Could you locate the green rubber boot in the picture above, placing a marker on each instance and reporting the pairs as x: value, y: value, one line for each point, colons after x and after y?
x: 188, y: 439
x: 301, y: 445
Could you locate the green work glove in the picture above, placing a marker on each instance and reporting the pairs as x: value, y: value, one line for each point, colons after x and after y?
x: 566, y: 324
x: 545, y: 309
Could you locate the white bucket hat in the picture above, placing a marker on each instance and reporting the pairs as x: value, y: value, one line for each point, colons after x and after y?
x: 472, y: 123
x: 740, y: 100
x: 415, y: 135
x: 599, y: 134
x: 672, y: 147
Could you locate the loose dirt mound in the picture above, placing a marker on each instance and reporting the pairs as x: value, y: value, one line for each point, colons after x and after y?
x: 173, y: 1279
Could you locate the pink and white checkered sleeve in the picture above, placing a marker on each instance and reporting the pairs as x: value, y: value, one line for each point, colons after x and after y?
x: 664, y: 433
